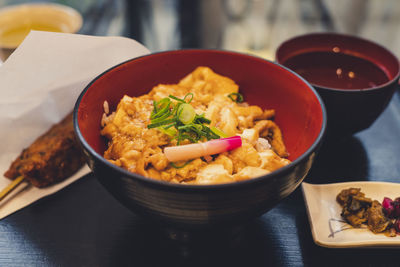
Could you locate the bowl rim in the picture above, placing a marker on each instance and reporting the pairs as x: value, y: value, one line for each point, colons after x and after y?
x: 390, y: 82
x: 189, y: 187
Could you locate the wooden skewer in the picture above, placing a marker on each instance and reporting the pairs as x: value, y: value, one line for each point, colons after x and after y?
x: 9, y: 188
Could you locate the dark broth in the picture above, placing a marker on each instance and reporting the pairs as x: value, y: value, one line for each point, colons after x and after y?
x: 337, y: 70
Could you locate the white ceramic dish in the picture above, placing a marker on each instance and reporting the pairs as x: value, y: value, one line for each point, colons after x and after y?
x: 327, y: 227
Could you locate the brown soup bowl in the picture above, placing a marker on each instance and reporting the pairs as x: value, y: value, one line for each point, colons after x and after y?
x: 300, y: 114
x: 355, y: 78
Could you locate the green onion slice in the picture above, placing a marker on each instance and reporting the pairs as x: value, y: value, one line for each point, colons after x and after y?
x: 219, y: 132
x: 165, y: 122
x: 236, y: 97
x: 168, y: 130
x: 202, y: 119
x: 188, y: 95
x: 180, y: 121
x: 176, y: 98
x: 186, y: 113
x: 160, y: 108
x: 181, y: 166
x: 161, y: 118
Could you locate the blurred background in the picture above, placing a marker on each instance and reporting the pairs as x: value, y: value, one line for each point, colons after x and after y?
x: 255, y: 26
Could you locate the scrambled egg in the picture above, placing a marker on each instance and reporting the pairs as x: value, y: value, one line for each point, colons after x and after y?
x: 140, y: 150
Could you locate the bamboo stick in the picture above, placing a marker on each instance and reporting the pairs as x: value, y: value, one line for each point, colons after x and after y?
x: 9, y: 188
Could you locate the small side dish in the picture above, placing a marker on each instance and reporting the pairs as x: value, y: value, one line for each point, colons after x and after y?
x: 359, y: 209
x: 199, y: 131
x: 328, y: 227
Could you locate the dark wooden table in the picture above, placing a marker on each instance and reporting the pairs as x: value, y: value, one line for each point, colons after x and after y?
x: 83, y: 225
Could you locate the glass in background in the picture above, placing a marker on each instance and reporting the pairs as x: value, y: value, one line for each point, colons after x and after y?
x: 18, y: 20
x: 101, y: 17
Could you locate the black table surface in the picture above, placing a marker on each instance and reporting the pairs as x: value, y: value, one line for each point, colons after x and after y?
x: 83, y: 225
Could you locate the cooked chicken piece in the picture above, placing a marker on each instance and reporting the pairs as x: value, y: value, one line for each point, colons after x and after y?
x: 247, y: 115
x: 271, y: 161
x: 189, y: 172
x: 153, y: 173
x: 129, y: 160
x: 226, y: 162
x: 250, y: 172
x: 220, y: 84
x: 250, y: 135
x: 253, y: 111
x: 164, y: 90
x: 262, y: 145
x: 228, y: 121
x: 214, y: 174
x: 246, y: 155
x: 269, y: 130
x: 159, y: 161
x: 268, y: 114
x: 212, y: 112
x: 121, y: 145
x: 132, y: 108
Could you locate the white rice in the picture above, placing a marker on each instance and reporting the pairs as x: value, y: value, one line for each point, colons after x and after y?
x: 106, y: 107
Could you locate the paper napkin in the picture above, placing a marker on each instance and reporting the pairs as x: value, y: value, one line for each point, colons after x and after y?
x: 39, y: 84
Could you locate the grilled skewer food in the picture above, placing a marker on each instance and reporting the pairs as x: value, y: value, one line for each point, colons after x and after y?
x: 51, y: 158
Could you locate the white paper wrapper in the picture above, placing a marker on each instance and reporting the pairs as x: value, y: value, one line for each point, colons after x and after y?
x: 39, y: 84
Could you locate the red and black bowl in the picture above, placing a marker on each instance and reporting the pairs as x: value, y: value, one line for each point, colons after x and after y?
x: 300, y: 114
x: 355, y: 77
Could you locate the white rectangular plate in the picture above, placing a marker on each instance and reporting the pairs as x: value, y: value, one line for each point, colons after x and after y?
x: 328, y: 228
